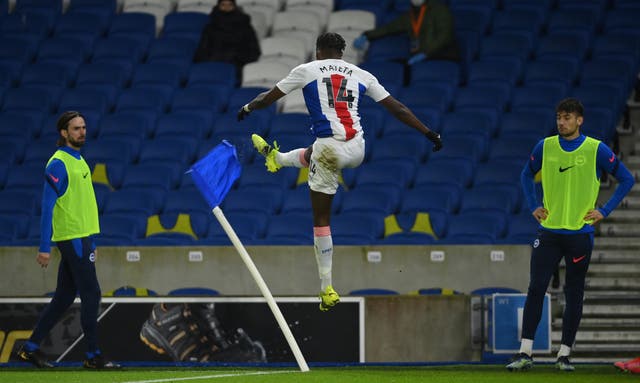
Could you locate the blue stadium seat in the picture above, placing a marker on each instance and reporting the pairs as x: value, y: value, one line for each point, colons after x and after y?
x: 357, y: 228
x: 436, y: 71
x: 260, y: 199
x: 617, y: 71
x: 46, y: 73
x: 119, y: 47
x: 171, y: 47
x: 182, y: 123
x: 398, y: 172
x: 390, y: 48
x: 121, y: 227
x: 64, y: 50
x: 240, y: 96
x: 248, y: 226
x: 193, y: 292
x: 132, y: 123
x: 12, y: 228
x: 528, y: 123
x: 495, y: 290
x: 291, y: 229
x: 543, y: 95
x: 489, y: 199
x: 371, y: 198
x: 256, y: 174
x: 76, y: 23
x: 26, y: 177
x: 39, y: 153
x: 136, y: 25
x: 142, y: 99
x: 102, y: 74
x: 176, y: 150
x: 510, y: 44
x: 392, y: 126
x: 184, y: 24
x: 414, y: 228
x: 573, y: 19
x: 290, y: 123
x: 617, y: 44
x: 598, y: 123
x: 525, y: 19
x: 469, y: 43
x: 389, y: 73
x: 163, y: 176
x: 200, y: 98
x: 563, y: 44
x: 228, y: 123
x: 48, y: 12
x: 436, y: 96
x: 621, y: 20
x: 147, y: 202
x: 402, y: 146
x: 490, y: 96
x: 434, y: 197
x: 476, y: 228
x: 84, y: 100
x: 213, y: 73
x: 473, y: 147
x: 522, y: 229
x: 513, y: 148
x: 20, y: 202
x: 501, y: 69
x: 185, y: 201
x: 552, y: 70
x: 470, y: 18
x: 454, y: 171
x: 156, y: 73
x: 29, y: 125
x: 468, y: 122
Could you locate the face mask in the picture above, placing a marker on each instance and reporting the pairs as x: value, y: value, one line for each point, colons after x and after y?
x: 417, y: 3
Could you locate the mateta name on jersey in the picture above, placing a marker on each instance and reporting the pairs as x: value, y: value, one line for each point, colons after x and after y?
x: 335, y: 68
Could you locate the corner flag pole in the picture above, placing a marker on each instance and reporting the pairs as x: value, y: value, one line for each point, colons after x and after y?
x: 217, y: 212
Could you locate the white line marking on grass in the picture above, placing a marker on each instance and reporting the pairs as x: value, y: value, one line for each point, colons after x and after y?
x: 211, y: 376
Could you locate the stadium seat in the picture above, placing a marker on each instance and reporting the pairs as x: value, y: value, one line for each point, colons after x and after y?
x: 78, y: 23
x: 291, y: 229
x: 184, y: 24
x: 528, y: 123
x: 135, y: 124
x: 261, y: 199
x: 156, y: 9
x: 84, y: 100
x: 494, y: 290
x: 248, y: 226
x: 351, y: 20
x: 200, y: 6
x: 491, y: 96
x: 552, y: 70
x: 489, y: 199
x: 455, y: 171
x: 476, y: 228
x: 526, y: 19
x: 465, y: 146
x: 468, y: 122
x: 142, y: 99
x: 28, y: 176
x: 563, y: 44
x: 175, y: 150
x: 216, y: 73
x: 302, y: 25
x: 193, y: 292
x: 147, y: 202
x: 134, y: 25
x: 286, y: 49
x: 182, y: 123
x: 39, y: 153
x: 407, y: 145
x: 502, y: 69
x: 172, y: 47
x: 573, y: 19
x: 522, y: 229
x: 436, y: 71
x: 542, y: 95
x: 389, y: 73
x: 119, y: 47
x: 371, y: 198
x: 389, y: 49
x: 398, y: 172
x: 20, y: 201
x: 125, y: 227
x: 436, y: 96
x: 357, y: 228
x: 431, y: 198
x: 164, y: 176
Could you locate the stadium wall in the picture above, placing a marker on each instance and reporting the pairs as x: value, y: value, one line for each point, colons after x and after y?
x: 287, y: 270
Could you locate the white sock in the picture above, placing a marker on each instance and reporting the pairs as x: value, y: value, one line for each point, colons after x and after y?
x: 323, y: 247
x: 294, y: 158
x: 526, y: 346
x: 564, y: 350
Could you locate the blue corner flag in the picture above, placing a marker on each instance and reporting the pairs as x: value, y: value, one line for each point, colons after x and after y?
x: 216, y: 172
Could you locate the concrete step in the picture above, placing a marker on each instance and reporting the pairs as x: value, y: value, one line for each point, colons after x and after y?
x: 630, y: 203
x: 597, y: 296
x: 611, y: 311
x: 604, y: 323
x: 612, y: 283
x: 624, y: 215
x: 622, y: 269
x: 603, y: 255
x: 619, y: 230
x: 621, y: 243
x: 601, y: 336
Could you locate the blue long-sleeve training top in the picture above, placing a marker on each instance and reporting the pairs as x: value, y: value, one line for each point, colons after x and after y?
x: 606, y: 161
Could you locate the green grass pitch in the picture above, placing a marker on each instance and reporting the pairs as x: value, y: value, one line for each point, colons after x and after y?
x: 432, y: 374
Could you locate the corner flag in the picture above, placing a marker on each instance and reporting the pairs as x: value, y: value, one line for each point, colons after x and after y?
x: 215, y: 173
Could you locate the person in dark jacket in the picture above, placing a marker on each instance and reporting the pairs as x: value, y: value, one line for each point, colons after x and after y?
x: 430, y: 26
x: 228, y: 37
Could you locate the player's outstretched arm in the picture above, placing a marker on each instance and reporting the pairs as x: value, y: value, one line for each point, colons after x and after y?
x: 405, y: 115
x: 261, y: 101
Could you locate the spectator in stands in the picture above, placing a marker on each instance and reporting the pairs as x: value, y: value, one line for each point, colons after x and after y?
x: 632, y: 366
x: 69, y: 218
x: 332, y: 92
x: 430, y: 27
x: 228, y: 37
x: 571, y: 165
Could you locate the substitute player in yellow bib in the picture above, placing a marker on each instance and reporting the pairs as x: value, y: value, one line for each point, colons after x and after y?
x: 571, y: 165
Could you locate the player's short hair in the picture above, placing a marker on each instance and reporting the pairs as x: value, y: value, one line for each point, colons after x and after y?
x: 570, y: 105
x: 331, y: 41
x: 63, y: 123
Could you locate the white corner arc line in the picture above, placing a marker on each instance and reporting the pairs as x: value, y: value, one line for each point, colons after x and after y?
x: 211, y: 376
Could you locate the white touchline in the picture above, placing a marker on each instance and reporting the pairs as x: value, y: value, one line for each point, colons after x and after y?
x: 210, y: 376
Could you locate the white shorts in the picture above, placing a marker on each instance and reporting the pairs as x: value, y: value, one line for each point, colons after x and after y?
x: 328, y: 157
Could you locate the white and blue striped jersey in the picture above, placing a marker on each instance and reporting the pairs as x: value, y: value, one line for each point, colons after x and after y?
x: 332, y: 89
